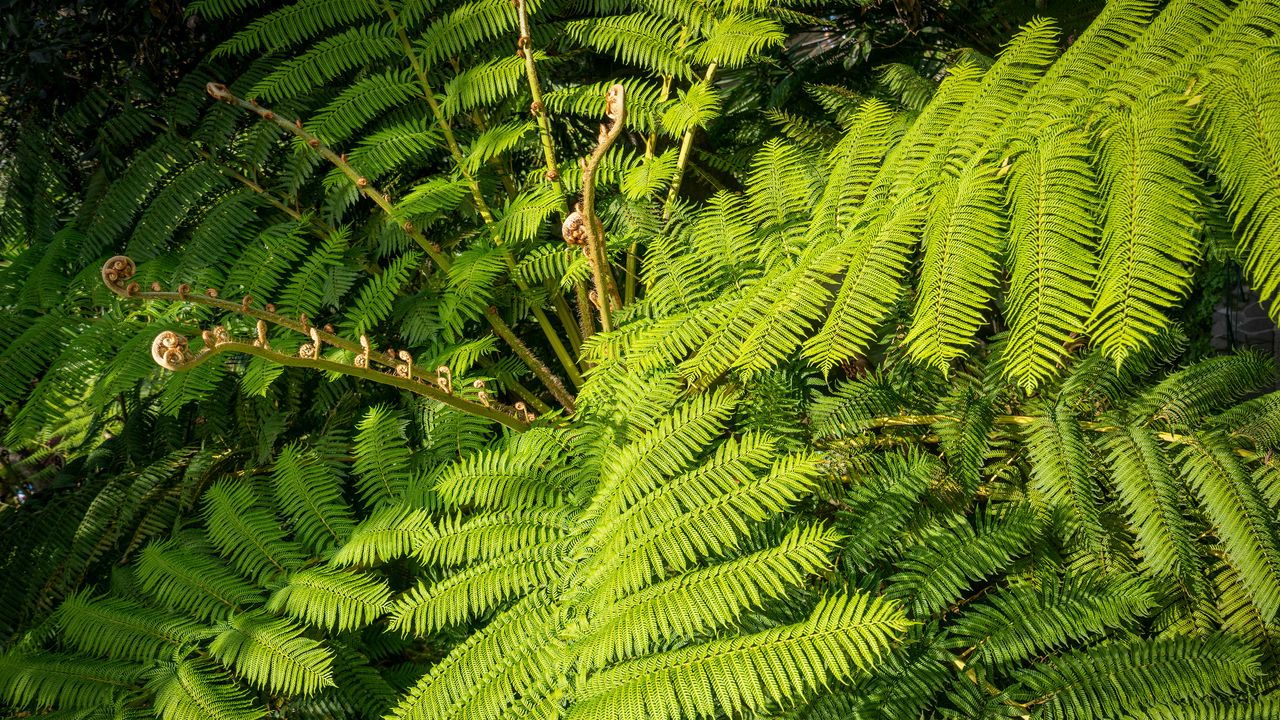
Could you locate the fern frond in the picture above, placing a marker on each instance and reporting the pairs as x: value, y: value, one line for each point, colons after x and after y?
x: 192, y: 582
x: 383, y: 468
x: 471, y: 592
x: 751, y: 672
x: 1122, y: 678
x: 934, y: 574
x: 1189, y: 395
x: 642, y: 40
x: 391, y: 532
x: 881, y: 503
x: 486, y: 84
x: 290, y: 26
x: 1051, y: 254
x: 331, y: 599
x: 310, y: 492
x: 1232, y: 502
x: 699, y: 601
x: 362, y: 101
x: 1244, y: 136
x: 1024, y: 621
x: 189, y: 688
x: 1141, y: 473
x: 464, y: 541
x: 273, y: 654
x: 248, y: 534
x: 734, y: 39
x: 960, y: 270
x: 463, y: 681
x: 1061, y: 468
x: 329, y: 58
x: 372, y: 303
x: 39, y: 680
x: 1150, y: 224
x: 465, y: 27
x: 122, y: 629
x: 714, y: 528
x: 500, y: 480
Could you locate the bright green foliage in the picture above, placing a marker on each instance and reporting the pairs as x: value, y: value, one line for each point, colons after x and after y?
x: 273, y: 654
x: 895, y: 418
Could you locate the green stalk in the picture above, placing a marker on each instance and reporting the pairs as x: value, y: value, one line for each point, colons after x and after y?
x: 686, y: 146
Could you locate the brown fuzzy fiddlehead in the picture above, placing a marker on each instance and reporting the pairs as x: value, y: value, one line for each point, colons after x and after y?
x: 170, y: 351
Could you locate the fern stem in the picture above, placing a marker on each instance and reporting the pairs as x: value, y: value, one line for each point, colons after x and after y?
x: 417, y: 382
x: 417, y: 385
x: 686, y: 148
x: 548, y: 378
x: 537, y: 107
x: 553, y: 383
x: 565, y: 316
x: 527, y: 395
x: 892, y: 421
x: 557, y: 346
x: 632, y: 258
x: 482, y: 206
x: 606, y: 288
x: 585, y: 324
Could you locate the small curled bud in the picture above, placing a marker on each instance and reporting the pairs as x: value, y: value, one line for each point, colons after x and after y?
x: 574, y: 228
x: 408, y: 226
x: 483, y: 395
x: 184, y: 290
x: 245, y: 302
x: 269, y: 115
x: 116, y: 270
x: 218, y: 91
x: 444, y: 379
x: 298, y: 123
x: 328, y: 328
x: 271, y: 308
x: 552, y: 175
x: 362, y: 360
x: 362, y: 181
x: 211, y: 292
x: 262, y: 335
x: 169, y: 350
x: 535, y: 107
x: 405, y: 370
x: 343, y: 157
x: 156, y: 286
x: 220, y: 335
x: 313, y: 142
x: 133, y: 289
x: 615, y: 102
x: 302, y: 320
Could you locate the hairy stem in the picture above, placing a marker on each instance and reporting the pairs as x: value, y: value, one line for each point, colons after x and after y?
x: 413, y: 379
x: 548, y: 378
x: 606, y: 288
x: 537, y: 107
